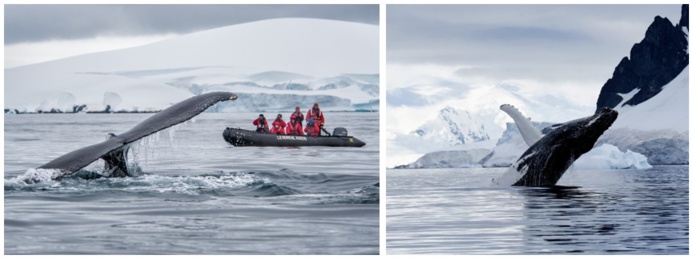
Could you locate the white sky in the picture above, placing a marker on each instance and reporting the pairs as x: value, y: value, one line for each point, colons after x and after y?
x: 39, y: 33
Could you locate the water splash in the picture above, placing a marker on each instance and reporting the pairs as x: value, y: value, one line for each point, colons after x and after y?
x: 222, y: 184
x: 35, y: 176
x: 283, y: 185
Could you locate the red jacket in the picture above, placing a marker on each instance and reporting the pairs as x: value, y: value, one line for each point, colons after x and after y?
x: 281, y: 122
x: 294, y: 129
x: 313, y: 131
x: 277, y: 130
x: 256, y: 122
x: 298, y: 116
x: 317, y: 116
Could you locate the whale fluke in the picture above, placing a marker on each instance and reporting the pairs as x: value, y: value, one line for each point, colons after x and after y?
x: 114, y: 150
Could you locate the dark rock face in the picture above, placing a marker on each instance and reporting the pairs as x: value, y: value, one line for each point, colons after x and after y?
x: 653, y: 63
x: 684, y: 16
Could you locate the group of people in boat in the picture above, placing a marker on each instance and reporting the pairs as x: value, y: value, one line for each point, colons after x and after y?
x: 315, y: 121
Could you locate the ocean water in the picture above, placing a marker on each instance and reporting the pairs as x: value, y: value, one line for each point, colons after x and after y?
x: 457, y: 211
x: 195, y: 195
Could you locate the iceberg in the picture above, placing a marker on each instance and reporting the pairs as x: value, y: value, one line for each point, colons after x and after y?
x: 609, y: 156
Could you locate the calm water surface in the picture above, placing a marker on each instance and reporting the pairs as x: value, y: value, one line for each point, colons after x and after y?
x: 196, y: 195
x: 456, y: 211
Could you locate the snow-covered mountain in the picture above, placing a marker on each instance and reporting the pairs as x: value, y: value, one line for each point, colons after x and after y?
x: 654, y: 62
x: 272, y: 64
x: 453, y: 127
x: 471, y: 121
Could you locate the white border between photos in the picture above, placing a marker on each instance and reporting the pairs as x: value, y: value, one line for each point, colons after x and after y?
x: 383, y: 88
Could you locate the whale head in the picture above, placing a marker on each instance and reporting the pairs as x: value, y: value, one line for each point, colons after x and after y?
x: 583, y: 133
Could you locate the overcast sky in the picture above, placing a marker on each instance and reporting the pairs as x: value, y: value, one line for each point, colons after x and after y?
x: 35, y: 33
x: 576, y: 45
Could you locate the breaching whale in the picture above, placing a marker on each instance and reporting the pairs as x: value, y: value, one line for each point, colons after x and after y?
x: 114, y: 150
x: 549, y: 156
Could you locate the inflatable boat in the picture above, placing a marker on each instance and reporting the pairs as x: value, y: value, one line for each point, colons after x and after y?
x: 242, y: 138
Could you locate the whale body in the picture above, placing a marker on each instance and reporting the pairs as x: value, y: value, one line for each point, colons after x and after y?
x: 549, y: 156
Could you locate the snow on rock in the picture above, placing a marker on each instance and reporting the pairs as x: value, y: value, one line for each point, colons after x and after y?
x: 668, y: 110
x: 607, y: 156
x: 658, y: 127
x: 653, y: 62
x: 285, y: 56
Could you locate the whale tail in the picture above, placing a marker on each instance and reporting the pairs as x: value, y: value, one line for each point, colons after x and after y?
x: 116, y: 161
x: 114, y: 149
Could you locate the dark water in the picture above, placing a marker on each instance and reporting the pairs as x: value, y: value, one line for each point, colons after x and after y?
x: 196, y: 194
x: 456, y: 211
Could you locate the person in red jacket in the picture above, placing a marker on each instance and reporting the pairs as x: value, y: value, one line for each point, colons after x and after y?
x: 279, y: 120
x: 312, y: 129
x: 276, y: 129
x: 298, y: 115
x: 294, y: 127
x: 316, y: 115
x: 261, y: 124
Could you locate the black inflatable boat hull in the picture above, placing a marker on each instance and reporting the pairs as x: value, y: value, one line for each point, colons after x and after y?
x: 241, y: 138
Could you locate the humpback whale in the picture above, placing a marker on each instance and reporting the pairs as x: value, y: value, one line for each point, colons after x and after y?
x: 114, y: 150
x: 549, y: 156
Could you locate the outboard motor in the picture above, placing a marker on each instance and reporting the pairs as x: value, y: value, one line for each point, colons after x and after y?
x: 339, y: 132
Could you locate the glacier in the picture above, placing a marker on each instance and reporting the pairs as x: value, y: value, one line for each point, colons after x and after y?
x: 332, y: 62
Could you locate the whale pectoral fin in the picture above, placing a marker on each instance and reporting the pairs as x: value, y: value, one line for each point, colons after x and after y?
x: 529, y: 133
x: 114, y: 150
